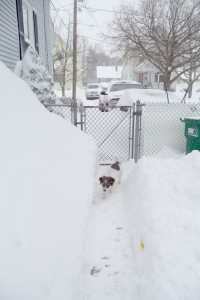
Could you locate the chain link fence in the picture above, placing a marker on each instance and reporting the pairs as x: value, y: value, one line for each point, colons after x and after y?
x: 66, y: 111
x: 111, y: 130
x: 160, y: 125
x: 139, y: 130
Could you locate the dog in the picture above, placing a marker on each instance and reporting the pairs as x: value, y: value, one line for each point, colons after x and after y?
x: 111, y: 178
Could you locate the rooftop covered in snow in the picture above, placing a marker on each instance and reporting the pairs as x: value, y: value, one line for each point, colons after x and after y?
x: 109, y: 72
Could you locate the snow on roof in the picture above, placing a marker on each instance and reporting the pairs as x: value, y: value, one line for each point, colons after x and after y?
x: 109, y: 72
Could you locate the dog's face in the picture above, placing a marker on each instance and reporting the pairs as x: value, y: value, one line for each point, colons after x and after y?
x: 106, y: 182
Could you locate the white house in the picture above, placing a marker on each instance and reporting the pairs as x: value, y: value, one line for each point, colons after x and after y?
x: 25, y: 22
x: 142, y: 71
x: 107, y: 73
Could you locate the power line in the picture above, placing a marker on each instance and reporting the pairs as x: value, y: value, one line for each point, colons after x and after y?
x: 99, y: 9
x: 94, y: 9
x: 91, y: 14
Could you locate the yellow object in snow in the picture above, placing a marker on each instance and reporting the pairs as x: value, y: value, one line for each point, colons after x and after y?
x: 141, y: 245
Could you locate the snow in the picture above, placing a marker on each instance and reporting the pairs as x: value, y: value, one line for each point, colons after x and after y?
x: 143, y: 241
x: 81, y: 97
x: 113, y: 72
x: 61, y: 240
x: 35, y: 73
x: 46, y: 176
x: 147, y: 95
x: 162, y: 198
x: 155, y: 96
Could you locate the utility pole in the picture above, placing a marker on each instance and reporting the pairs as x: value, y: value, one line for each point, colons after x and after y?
x: 74, y: 61
x: 74, y: 50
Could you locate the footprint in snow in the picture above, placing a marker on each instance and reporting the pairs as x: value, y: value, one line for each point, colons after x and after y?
x: 94, y: 271
x: 119, y: 228
x: 105, y: 257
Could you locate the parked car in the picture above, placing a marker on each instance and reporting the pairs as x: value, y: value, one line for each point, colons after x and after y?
x: 110, y: 98
x: 93, y: 91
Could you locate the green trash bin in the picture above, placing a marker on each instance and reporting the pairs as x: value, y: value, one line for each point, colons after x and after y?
x: 192, y: 134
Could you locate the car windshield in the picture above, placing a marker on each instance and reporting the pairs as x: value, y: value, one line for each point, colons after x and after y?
x: 125, y: 86
x: 104, y: 89
x: 93, y: 86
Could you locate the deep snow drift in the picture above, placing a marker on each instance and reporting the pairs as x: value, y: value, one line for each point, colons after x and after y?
x: 163, y: 201
x: 46, y: 189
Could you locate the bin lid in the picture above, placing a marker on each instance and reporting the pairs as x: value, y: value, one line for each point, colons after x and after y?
x: 197, y: 118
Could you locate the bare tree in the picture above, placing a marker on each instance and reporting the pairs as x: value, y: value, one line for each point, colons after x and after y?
x: 191, y: 72
x: 161, y: 31
x: 62, y: 55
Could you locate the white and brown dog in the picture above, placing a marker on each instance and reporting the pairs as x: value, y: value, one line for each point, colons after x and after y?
x: 111, y: 178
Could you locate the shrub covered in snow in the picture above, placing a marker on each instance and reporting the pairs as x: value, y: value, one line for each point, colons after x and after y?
x: 35, y: 73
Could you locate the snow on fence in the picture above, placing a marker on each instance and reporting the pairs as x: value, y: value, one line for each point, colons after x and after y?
x: 161, y: 126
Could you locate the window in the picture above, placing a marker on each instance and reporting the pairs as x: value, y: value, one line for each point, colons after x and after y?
x: 27, y: 26
x: 28, y: 20
x: 125, y: 86
x: 159, y: 78
x: 93, y: 86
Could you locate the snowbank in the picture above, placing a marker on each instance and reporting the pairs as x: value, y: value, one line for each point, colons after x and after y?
x: 147, y: 95
x: 46, y: 188
x: 164, y: 208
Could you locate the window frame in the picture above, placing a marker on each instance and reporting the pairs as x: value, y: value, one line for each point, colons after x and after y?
x: 158, y: 78
x: 31, y: 39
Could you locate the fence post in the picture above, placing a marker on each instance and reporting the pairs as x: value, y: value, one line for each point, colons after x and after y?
x: 137, y: 130
x: 133, y: 131
x: 75, y: 112
x: 81, y: 115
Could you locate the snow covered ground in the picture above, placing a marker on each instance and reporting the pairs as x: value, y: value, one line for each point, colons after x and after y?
x: 61, y: 240
x: 143, y: 241
x: 46, y: 189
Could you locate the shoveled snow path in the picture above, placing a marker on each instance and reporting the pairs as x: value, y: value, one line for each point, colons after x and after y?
x: 109, y: 269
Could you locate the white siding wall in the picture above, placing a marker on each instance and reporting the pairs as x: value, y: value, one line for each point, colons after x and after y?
x: 9, y: 40
x: 42, y: 8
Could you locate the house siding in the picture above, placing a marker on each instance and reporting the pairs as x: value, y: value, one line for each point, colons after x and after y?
x: 9, y: 37
x: 42, y: 8
x: 9, y: 40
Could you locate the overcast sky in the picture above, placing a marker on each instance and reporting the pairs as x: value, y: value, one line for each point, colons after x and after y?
x: 92, y: 16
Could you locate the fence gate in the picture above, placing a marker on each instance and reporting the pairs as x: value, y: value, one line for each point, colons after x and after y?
x: 112, y: 130
x: 115, y: 131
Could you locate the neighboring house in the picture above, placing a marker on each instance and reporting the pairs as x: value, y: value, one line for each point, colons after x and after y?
x: 107, y: 73
x: 25, y: 22
x: 144, y: 72
x: 61, y: 81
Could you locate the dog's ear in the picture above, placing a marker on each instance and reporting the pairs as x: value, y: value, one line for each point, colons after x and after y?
x: 111, y: 180
x: 101, y: 179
